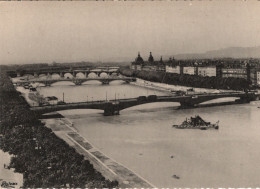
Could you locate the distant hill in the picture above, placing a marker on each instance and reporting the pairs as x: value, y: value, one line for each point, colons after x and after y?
x: 231, y: 52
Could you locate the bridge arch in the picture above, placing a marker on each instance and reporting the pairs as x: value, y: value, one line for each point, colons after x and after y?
x: 29, y: 76
x: 92, y: 75
x: 92, y: 82
x: 103, y: 75
x: 49, y: 109
x: 113, y: 69
x: 81, y: 111
x: 114, y: 74
x: 54, y: 83
x: 117, y: 81
x: 42, y: 75
x: 80, y: 75
x: 55, y: 76
x: 150, y: 106
x: 57, y: 83
x: 220, y: 100
x: 68, y: 75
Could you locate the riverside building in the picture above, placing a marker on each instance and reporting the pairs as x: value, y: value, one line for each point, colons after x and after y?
x: 205, y: 68
x: 150, y: 65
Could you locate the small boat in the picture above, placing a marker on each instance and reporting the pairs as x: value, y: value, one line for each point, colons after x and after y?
x: 196, y: 123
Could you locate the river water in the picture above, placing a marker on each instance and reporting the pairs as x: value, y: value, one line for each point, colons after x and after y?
x: 142, y: 138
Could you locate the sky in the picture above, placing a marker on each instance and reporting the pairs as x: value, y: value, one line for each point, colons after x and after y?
x: 55, y: 31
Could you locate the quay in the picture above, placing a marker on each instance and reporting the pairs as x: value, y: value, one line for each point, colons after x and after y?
x: 108, y: 167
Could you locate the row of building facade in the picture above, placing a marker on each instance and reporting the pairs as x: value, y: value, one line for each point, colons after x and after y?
x: 217, y: 68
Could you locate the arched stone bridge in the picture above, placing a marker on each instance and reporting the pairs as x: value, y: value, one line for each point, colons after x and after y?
x: 114, y: 107
x: 98, y: 71
x: 76, y: 81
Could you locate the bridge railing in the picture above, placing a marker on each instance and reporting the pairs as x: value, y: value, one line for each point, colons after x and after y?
x: 136, y: 98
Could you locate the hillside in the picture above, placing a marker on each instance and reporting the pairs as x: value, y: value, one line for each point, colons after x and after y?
x: 231, y: 52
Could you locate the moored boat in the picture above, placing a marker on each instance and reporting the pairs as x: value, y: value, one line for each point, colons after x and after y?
x: 196, y: 123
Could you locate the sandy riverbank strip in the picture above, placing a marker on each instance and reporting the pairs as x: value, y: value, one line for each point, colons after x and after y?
x: 32, y: 98
x: 163, y: 87
x: 109, y: 168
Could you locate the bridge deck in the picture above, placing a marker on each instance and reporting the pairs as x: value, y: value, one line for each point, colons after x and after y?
x: 76, y: 79
x: 126, y: 103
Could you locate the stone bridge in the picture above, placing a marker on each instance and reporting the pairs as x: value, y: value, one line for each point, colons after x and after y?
x: 76, y: 81
x: 61, y: 72
x: 114, y: 107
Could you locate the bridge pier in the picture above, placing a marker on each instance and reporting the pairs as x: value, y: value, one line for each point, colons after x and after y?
x: 187, y: 105
x: 35, y: 74
x: 47, y: 84
x: 105, y: 82
x: 61, y: 75
x: 244, y: 99
x: 77, y: 82
x: 111, y: 109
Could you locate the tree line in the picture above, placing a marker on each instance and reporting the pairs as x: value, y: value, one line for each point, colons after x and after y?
x: 44, y: 159
x: 189, y: 80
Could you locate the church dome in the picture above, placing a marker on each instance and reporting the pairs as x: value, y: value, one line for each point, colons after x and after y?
x: 139, y: 59
x: 150, y: 59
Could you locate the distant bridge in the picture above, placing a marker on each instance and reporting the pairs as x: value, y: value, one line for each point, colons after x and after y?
x: 114, y: 107
x: 76, y: 81
x: 49, y: 72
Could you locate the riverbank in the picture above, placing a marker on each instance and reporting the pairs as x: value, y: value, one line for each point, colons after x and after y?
x: 109, y: 168
x: 32, y: 98
x: 194, y: 81
x: 169, y: 88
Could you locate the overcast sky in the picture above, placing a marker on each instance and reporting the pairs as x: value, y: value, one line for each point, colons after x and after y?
x: 103, y: 31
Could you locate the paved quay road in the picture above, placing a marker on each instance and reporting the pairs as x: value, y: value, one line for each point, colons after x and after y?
x: 109, y: 168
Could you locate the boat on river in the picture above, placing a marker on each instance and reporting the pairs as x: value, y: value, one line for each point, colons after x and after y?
x: 196, y: 123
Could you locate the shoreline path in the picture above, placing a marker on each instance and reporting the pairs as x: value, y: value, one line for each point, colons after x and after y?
x: 108, y: 167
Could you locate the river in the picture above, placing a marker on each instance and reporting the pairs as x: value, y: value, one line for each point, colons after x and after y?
x: 142, y: 138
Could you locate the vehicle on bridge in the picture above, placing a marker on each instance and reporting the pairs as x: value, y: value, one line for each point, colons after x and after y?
x: 196, y: 123
x: 152, y: 98
x: 179, y: 93
x: 141, y: 98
